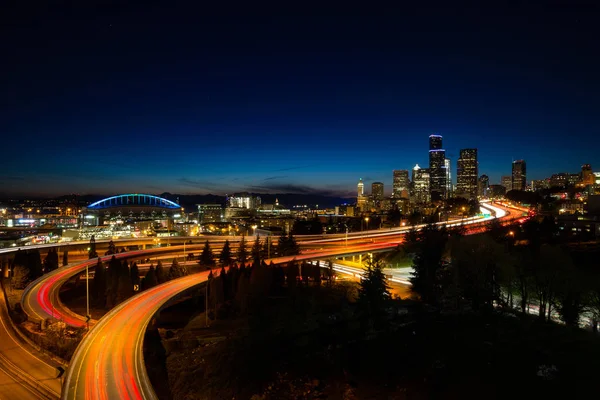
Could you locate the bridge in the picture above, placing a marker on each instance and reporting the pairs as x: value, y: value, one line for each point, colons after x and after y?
x: 128, y: 200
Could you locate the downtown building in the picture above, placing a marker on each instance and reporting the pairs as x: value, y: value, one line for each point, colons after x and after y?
x: 506, y: 181
x: 484, y: 185
x: 467, y: 174
x: 437, y: 168
x: 401, y: 184
x: 519, y: 175
x: 421, y: 179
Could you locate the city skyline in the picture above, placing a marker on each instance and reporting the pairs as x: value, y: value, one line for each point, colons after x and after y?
x: 272, y: 106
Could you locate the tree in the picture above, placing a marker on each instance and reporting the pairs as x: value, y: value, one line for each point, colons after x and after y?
x: 287, y: 245
x: 124, y: 285
x: 111, y: 249
x: 292, y: 273
x: 65, y: 258
x: 394, y: 216
x: 374, y: 295
x: 207, y: 258
x: 225, y: 257
x: 161, y: 275
x: 149, y: 280
x: 256, y: 250
x: 265, y: 252
x: 92, y: 250
x: 34, y: 264
x: 242, y: 252
x: 428, y: 262
x: 99, y: 284
x: 112, y: 279
x: 176, y: 270
x: 135, y: 277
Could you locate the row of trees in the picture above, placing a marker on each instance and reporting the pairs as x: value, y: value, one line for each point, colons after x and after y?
x: 512, y: 268
x: 120, y: 280
x: 261, y: 249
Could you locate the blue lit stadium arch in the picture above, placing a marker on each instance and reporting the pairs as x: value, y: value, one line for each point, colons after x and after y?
x: 129, y: 200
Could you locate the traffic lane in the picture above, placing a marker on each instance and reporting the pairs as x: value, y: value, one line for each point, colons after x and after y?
x: 108, y: 364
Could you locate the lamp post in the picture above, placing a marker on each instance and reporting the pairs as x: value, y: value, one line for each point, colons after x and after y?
x: 367, y: 221
x: 254, y: 229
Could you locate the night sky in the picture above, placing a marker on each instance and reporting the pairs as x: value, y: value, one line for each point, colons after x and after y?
x: 119, y: 99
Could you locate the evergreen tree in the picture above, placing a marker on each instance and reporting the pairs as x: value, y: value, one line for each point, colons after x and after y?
x: 292, y: 273
x: 207, y: 258
x: 34, y: 264
x: 65, y: 258
x: 92, y: 251
x: 112, y: 279
x: 374, y: 295
x: 242, y: 252
x: 135, y: 277
x: 176, y: 270
x: 150, y: 279
x: 256, y: 250
x: 124, y: 286
x: 225, y: 257
x: 428, y: 263
x: 161, y: 275
x: 99, y: 284
x: 111, y: 249
x: 292, y: 247
x: 266, y: 249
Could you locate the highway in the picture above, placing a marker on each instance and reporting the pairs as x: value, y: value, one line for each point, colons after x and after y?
x: 40, y: 299
x: 109, y: 362
x: 26, y: 373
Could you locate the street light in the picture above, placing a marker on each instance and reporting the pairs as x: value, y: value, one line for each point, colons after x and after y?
x: 254, y: 229
x: 367, y: 220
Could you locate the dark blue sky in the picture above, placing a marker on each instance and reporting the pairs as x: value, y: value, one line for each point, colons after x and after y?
x: 125, y: 99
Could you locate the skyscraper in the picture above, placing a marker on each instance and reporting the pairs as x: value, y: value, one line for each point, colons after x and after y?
x: 448, y: 178
x: 484, y: 184
x: 507, y: 182
x: 519, y: 175
x: 437, y: 169
x: 361, y: 188
x: 377, y: 191
x: 400, y: 189
x: 466, y: 174
x: 421, y: 180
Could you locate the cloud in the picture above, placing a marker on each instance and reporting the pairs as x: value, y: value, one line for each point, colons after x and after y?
x: 297, y: 189
x: 275, y: 177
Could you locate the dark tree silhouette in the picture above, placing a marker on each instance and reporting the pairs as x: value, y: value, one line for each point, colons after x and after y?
x: 428, y: 262
x: 207, y: 258
x: 374, y: 295
x: 65, y: 258
x: 99, y: 284
x: 149, y: 280
x: 135, y: 277
x: 256, y: 251
x: 225, y: 257
x: 92, y: 250
x: 242, y: 252
x: 161, y: 275
x: 177, y: 270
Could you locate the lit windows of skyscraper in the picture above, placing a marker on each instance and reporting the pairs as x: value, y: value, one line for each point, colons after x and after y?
x: 507, y: 182
x: 519, y: 175
x: 400, y: 189
x: 361, y: 188
x: 437, y: 170
x: 466, y: 174
x: 377, y: 191
x: 448, y: 178
x: 421, y: 180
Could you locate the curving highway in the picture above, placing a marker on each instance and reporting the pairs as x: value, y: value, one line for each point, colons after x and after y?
x: 109, y: 362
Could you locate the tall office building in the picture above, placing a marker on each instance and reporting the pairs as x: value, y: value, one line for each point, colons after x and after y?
x: 401, y: 186
x: 587, y: 176
x: 448, y: 178
x: 377, y: 191
x: 361, y: 188
x: 519, y: 175
x: 437, y: 169
x: 466, y: 174
x: 484, y: 184
x: 421, y: 181
x: 507, y: 182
